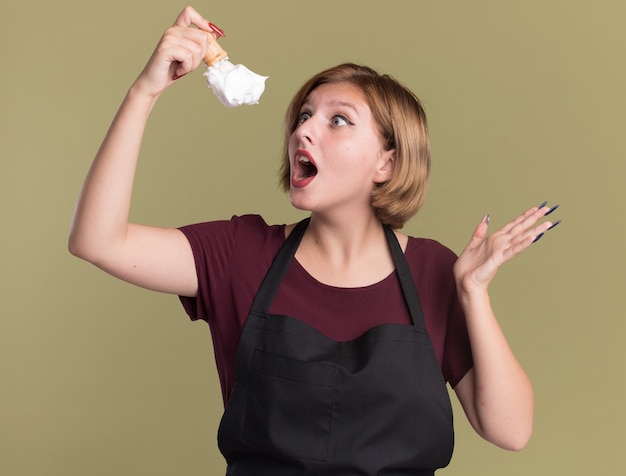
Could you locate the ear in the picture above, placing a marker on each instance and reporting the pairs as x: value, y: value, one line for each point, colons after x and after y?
x: 387, y: 165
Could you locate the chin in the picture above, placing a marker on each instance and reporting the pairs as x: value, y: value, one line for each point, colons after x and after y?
x: 299, y: 202
x: 300, y: 206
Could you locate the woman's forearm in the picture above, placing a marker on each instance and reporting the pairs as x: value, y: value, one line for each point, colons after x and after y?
x: 496, y: 394
x: 503, y: 399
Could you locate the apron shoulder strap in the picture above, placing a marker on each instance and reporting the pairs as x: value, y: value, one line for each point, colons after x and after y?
x: 274, y: 276
x: 406, y: 279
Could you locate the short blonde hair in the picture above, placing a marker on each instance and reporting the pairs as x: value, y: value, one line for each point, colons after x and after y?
x: 402, y: 125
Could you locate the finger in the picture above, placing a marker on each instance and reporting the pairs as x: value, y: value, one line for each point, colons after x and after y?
x: 480, y: 232
x: 542, y: 211
x: 184, y: 62
x: 532, y: 236
x: 521, y: 219
x: 523, y: 234
x: 197, y: 39
x: 551, y: 210
x: 189, y: 16
x: 550, y: 226
x: 528, y: 219
x: 183, y: 48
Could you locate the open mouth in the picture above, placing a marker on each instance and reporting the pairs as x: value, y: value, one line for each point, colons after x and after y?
x: 304, y: 168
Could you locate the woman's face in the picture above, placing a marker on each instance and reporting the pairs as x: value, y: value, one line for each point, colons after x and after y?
x: 336, y: 154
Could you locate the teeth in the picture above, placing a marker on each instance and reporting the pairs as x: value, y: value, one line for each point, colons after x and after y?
x: 304, y: 160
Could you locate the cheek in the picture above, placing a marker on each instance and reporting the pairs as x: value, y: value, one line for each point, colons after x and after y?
x: 292, y: 145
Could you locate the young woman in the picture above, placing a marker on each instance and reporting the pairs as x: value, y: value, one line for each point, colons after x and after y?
x: 334, y: 337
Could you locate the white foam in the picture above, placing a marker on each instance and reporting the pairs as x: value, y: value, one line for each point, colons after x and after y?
x: 235, y: 85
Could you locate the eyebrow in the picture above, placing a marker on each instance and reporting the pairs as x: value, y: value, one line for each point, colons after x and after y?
x: 336, y: 103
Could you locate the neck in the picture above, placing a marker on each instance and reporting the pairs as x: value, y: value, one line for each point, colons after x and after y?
x: 347, y: 253
x: 341, y: 236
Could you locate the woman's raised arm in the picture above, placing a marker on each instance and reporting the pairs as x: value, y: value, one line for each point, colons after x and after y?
x: 151, y: 257
x: 496, y: 394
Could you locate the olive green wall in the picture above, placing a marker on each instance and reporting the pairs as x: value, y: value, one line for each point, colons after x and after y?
x: 526, y: 103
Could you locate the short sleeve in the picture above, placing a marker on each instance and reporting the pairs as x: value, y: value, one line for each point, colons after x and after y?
x: 227, y: 254
x: 432, y: 266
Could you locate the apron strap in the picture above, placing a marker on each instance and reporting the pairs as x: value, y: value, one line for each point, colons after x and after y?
x: 269, y: 287
x: 406, y: 280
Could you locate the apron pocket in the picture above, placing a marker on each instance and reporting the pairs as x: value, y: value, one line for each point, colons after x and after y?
x: 289, y: 406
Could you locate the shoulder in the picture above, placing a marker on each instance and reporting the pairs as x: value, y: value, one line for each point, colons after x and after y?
x: 425, y: 248
x: 240, y: 227
x: 428, y: 257
x: 430, y: 248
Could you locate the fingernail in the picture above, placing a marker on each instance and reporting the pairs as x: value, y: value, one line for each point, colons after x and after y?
x: 538, y: 238
x: 554, y: 224
x: 486, y: 219
x: 217, y: 30
x: 543, y: 204
x: 175, y: 77
x: 551, y: 210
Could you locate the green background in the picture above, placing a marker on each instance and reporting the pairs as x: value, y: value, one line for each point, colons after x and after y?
x: 526, y: 103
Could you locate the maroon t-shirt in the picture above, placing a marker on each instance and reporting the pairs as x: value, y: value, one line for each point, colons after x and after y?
x: 232, y: 257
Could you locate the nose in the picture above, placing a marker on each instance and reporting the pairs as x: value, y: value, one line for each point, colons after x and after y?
x: 305, y: 132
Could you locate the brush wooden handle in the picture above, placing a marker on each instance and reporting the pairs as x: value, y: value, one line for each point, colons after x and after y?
x: 215, y: 53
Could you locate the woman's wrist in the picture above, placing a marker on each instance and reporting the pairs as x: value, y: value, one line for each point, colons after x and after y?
x: 472, y: 295
x: 138, y: 92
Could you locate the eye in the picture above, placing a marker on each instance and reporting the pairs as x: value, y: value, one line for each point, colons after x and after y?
x: 340, y: 120
x: 304, y: 116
